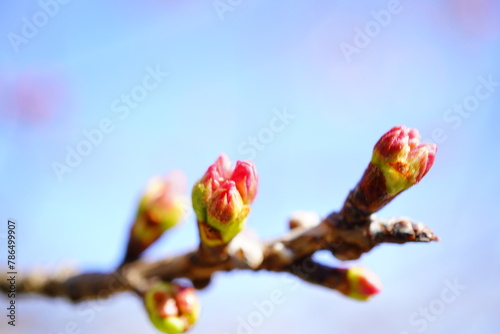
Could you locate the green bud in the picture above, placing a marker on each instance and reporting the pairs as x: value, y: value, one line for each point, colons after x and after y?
x: 172, y: 307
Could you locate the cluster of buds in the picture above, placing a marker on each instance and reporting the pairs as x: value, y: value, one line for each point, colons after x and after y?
x: 172, y: 307
x: 399, y: 161
x: 222, y: 198
x: 161, y: 207
x: 361, y: 283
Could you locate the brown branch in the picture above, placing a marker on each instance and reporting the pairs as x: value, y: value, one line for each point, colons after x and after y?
x: 315, y: 273
x: 398, y: 162
x: 345, y: 241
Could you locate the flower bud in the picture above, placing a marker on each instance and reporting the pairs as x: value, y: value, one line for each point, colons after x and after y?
x: 164, y: 201
x: 222, y: 198
x: 161, y: 207
x: 401, y: 158
x: 226, y: 211
x: 211, y: 180
x: 362, y: 283
x: 172, y: 307
x: 223, y: 166
x: 246, y: 179
x: 398, y: 162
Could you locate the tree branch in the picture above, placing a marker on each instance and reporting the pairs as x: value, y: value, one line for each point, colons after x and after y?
x: 288, y: 253
x: 398, y: 162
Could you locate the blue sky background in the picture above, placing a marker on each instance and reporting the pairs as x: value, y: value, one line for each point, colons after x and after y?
x: 228, y: 76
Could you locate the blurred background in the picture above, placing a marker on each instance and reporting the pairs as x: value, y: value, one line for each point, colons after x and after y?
x: 304, y: 89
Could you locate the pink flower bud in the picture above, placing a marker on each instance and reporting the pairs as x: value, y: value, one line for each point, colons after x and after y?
x: 165, y: 305
x: 397, y: 141
x: 172, y: 307
x: 225, y: 204
x: 221, y: 199
x: 223, y: 166
x: 246, y: 179
x: 362, y: 283
x: 212, y: 179
x: 421, y: 158
x: 185, y: 297
x: 226, y: 211
x: 399, y: 161
x: 401, y: 158
x: 162, y: 206
x: 164, y: 201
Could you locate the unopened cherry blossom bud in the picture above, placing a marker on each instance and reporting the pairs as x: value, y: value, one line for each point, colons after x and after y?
x: 216, y: 173
x: 226, y: 211
x: 401, y: 158
x: 162, y: 206
x: 222, y: 198
x: 172, y: 307
x: 362, y: 283
x: 246, y: 179
x: 399, y: 161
